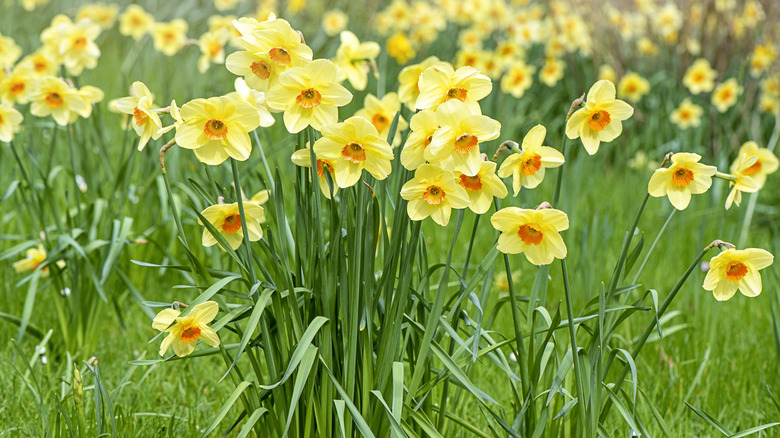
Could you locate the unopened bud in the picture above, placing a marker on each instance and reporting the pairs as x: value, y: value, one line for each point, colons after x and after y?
x: 544, y: 205
x: 78, y: 390
x: 577, y: 102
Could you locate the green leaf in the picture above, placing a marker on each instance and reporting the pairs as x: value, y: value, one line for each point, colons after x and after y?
x: 712, y: 421
x: 250, y: 422
x: 226, y: 407
x: 360, y: 422
x: 300, y: 349
x: 249, y: 330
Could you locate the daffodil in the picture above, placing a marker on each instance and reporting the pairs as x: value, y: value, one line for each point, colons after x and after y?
x: 334, y: 21
x: 518, y: 79
x: 227, y: 220
x: 765, y: 164
x: 40, y: 62
x: 535, y: 233
x: 700, y: 77
x: 16, y: 87
x: 352, y: 146
x: 381, y: 112
x: 254, y: 98
x: 184, y: 331
x: 684, y: 177
x: 482, y: 187
x: 408, y: 80
x: 279, y: 40
x: 600, y: 119
x: 9, y: 51
x: 725, y: 95
x: 170, y: 37
x: 686, y: 115
x: 433, y: 192
x: 309, y: 95
x: 135, y: 22
x: 10, y: 122
x: 354, y: 59
x: 140, y: 104
x: 528, y: 167
x: 735, y: 269
x: 633, y: 87
x: 744, y: 181
x: 34, y: 258
x: 217, y: 128
x: 212, y: 49
x: 424, y: 125
x: 54, y: 97
x: 460, y: 135
x: 441, y: 83
x: 302, y: 157
x: 73, y: 43
x: 552, y: 72
x: 400, y: 48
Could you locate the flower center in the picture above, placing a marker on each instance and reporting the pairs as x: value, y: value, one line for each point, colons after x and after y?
x: 471, y: 183
x: 754, y: 169
x: 215, y: 129
x: 530, y: 234
x: 232, y: 223
x: 698, y: 77
x: 39, y: 66
x: 736, y: 270
x: 261, y: 69
x: 140, y: 117
x: 380, y: 122
x: 354, y: 152
x: 685, y: 115
x: 599, y: 120
x: 682, y: 177
x: 519, y: 77
x: 80, y: 43
x: 457, y: 93
x: 532, y: 164
x: 215, y: 49
x: 428, y: 141
x: 54, y: 100
x: 434, y: 195
x: 725, y: 95
x: 17, y: 88
x: 465, y: 143
x: 190, y: 333
x: 309, y: 98
x: 279, y: 56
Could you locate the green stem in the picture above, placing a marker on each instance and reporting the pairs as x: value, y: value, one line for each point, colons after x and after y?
x: 573, y: 339
x: 559, y: 177
x: 652, y: 247
x: 250, y: 259
x: 76, y: 190
x: 269, y: 176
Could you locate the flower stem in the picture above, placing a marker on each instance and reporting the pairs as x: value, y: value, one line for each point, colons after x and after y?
x: 652, y: 247
x: 247, y: 244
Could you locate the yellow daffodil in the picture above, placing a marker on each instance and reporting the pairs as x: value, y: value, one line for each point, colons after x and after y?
x: 735, y: 269
x: 227, y: 220
x: 433, y: 192
x: 527, y: 167
x: 135, y: 22
x: 34, y: 258
x: 684, y: 177
x: 700, y: 77
x: 256, y: 67
x: 170, y: 37
x: 54, y: 97
x: 400, y: 48
x: 334, y: 21
x: 184, y: 331
x: 686, y: 115
x: 535, y: 233
x: 73, y: 43
x: 254, y: 98
x: 409, y: 78
x: 552, y: 72
x: 212, y: 49
x: 482, y: 187
x: 146, y: 123
x: 766, y: 162
x: 354, y: 59
x: 424, y: 125
x: 725, y: 95
x: 277, y: 39
x: 633, y: 87
x: 380, y: 112
x: 90, y: 95
x: 217, y: 128
x: 16, y: 87
x: 606, y: 72
x: 744, y: 182
x: 40, y: 62
x: 517, y: 79
x: 460, y: 135
x: 309, y: 95
x: 441, y: 83
x: 600, y: 119
x: 302, y: 157
x: 352, y: 146
x: 9, y: 51
x: 762, y: 57
x: 102, y: 14
x: 10, y: 122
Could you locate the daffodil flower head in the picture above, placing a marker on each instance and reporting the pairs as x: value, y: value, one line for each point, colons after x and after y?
x: 535, y: 233
x: 302, y: 157
x: 185, y: 331
x: 600, y: 119
x: 170, y: 37
x: 10, y: 121
x: 686, y: 115
x: 424, y: 125
x: 459, y: 136
x: 528, y: 167
x: 433, y: 192
x: 354, y: 59
x: 518, y: 79
x: 254, y: 98
x: 226, y: 218
x: 441, y: 83
x: 685, y: 176
x: 135, y: 22
x: 280, y: 41
x: 352, y: 146
x: 700, y: 77
x: 765, y: 164
x: 146, y: 123
x: 633, y: 87
x: 726, y: 94
x: 55, y: 97
x: 408, y: 80
x: 381, y: 112
x: 308, y: 95
x: 742, y: 168
x: 217, y: 128
x: 16, y: 87
x: 482, y: 187
x: 734, y: 269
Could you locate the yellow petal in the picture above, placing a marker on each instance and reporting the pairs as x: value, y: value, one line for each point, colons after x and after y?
x: 165, y: 318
